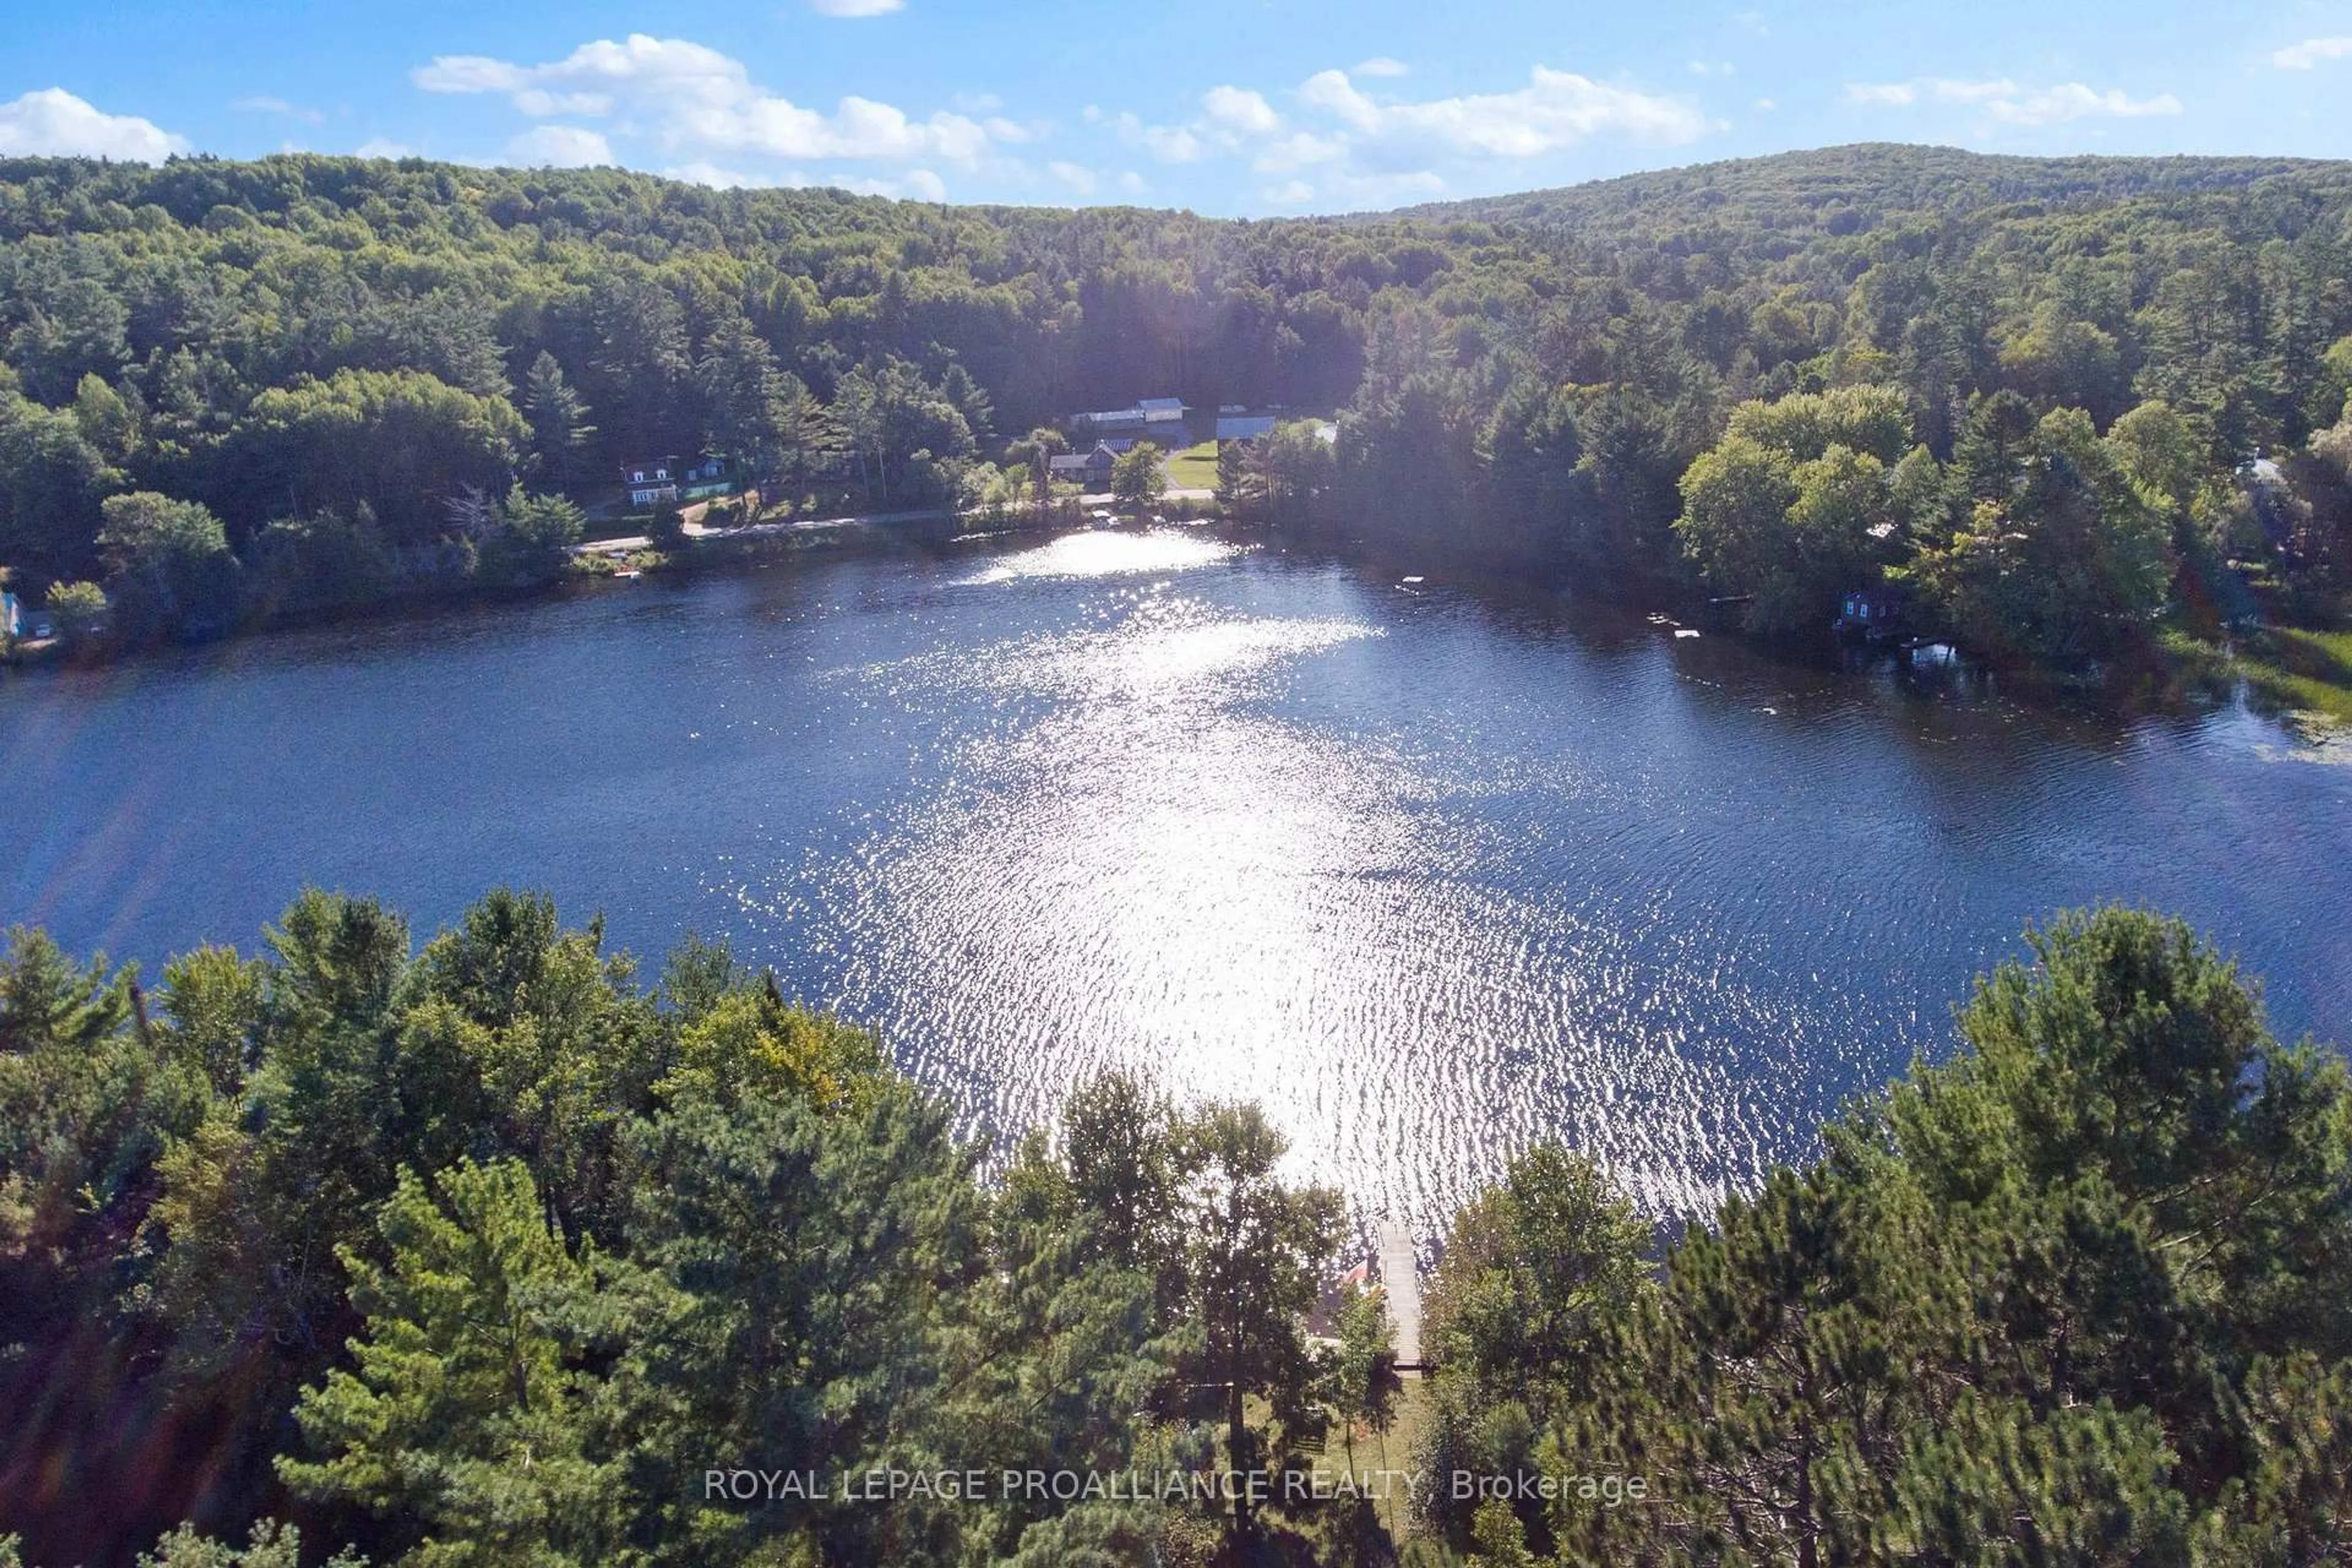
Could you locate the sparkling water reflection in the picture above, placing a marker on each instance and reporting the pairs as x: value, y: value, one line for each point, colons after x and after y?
x: 1430, y: 875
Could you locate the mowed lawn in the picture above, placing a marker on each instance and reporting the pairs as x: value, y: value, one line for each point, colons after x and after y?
x: 1194, y: 468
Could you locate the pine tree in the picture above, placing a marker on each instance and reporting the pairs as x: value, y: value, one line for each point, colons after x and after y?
x: 558, y: 420
x: 464, y: 1417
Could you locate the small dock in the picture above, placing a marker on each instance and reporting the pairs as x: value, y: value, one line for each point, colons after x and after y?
x: 1401, y: 1283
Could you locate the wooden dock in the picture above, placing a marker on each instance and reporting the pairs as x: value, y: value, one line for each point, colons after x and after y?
x: 1401, y: 1283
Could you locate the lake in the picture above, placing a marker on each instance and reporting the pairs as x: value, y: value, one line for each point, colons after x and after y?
x: 1431, y: 871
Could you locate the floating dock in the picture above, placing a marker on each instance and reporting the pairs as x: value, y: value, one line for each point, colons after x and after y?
x: 1401, y: 1283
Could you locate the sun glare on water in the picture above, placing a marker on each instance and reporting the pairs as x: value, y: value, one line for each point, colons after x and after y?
x: 1104, y: 552
x: 1167, y: 872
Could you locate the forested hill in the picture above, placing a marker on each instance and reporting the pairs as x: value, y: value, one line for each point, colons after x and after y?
x: 300, y: 335
x: 303, y: 379
x: 1849, y: 189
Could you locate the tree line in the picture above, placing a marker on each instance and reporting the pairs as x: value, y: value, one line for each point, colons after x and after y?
x: 2074, y: 1296
x: 338, y: 349
x: 487, y: 1252
x: 327, y: 353
x: 2060, y: 406
x: 491, y: 1252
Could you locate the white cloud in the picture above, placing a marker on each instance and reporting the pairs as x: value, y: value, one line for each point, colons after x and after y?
x: 2302, y: 56
x: 53, y: 122
x: 383, y: 147
x: 1365, y: 149
x: 856, y: 8
x: 692, y: 99
x: 1332, y: 90
x: 1078, y: 176
x: 859, y: 128
x: 1380, y: 66
x: 1168, y: 144
x: 1996, y: 90
x: 539, y: 103
x: 1232, y: 120
x: 1240, y: 109
x: 1713, y: 68
x: 468, y: 73
x: 2008, y: 103
x: 1300, y: 151
x: 1133, y: 183
x: 559, y: 147
x: 1556, y: 109
x: 2073, y: 100
x: 1766, y: 105
x: 640, y: 65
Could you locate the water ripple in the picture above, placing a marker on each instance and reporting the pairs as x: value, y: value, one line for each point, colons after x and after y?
x: 1430, y: 876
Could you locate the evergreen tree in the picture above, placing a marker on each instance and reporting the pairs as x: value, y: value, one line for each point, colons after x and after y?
x: 464, y: 1416
x: 2073, y: 566
x: 1129, y: 1163
x: 560, y: 430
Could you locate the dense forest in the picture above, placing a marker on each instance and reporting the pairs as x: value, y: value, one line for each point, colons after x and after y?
x: 492, y: 1251
x: 2061, y: 407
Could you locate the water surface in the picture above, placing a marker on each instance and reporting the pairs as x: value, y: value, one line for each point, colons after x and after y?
x: 1430, y: 872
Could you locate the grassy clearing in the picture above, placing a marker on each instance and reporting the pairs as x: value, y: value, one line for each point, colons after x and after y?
x: 1194, y: 468
x: 595, y: 563
x: 1393, y: 1450
x: 2309, y: 671
x: 2283, y: 667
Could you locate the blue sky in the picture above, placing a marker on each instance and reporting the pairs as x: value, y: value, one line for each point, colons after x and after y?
x: 1231, y: 107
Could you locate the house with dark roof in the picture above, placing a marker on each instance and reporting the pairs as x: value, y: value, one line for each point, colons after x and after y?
x: 1089, y: 469
x: 652, y: 482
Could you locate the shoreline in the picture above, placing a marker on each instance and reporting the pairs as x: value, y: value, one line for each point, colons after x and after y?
x: 2176, y: 672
